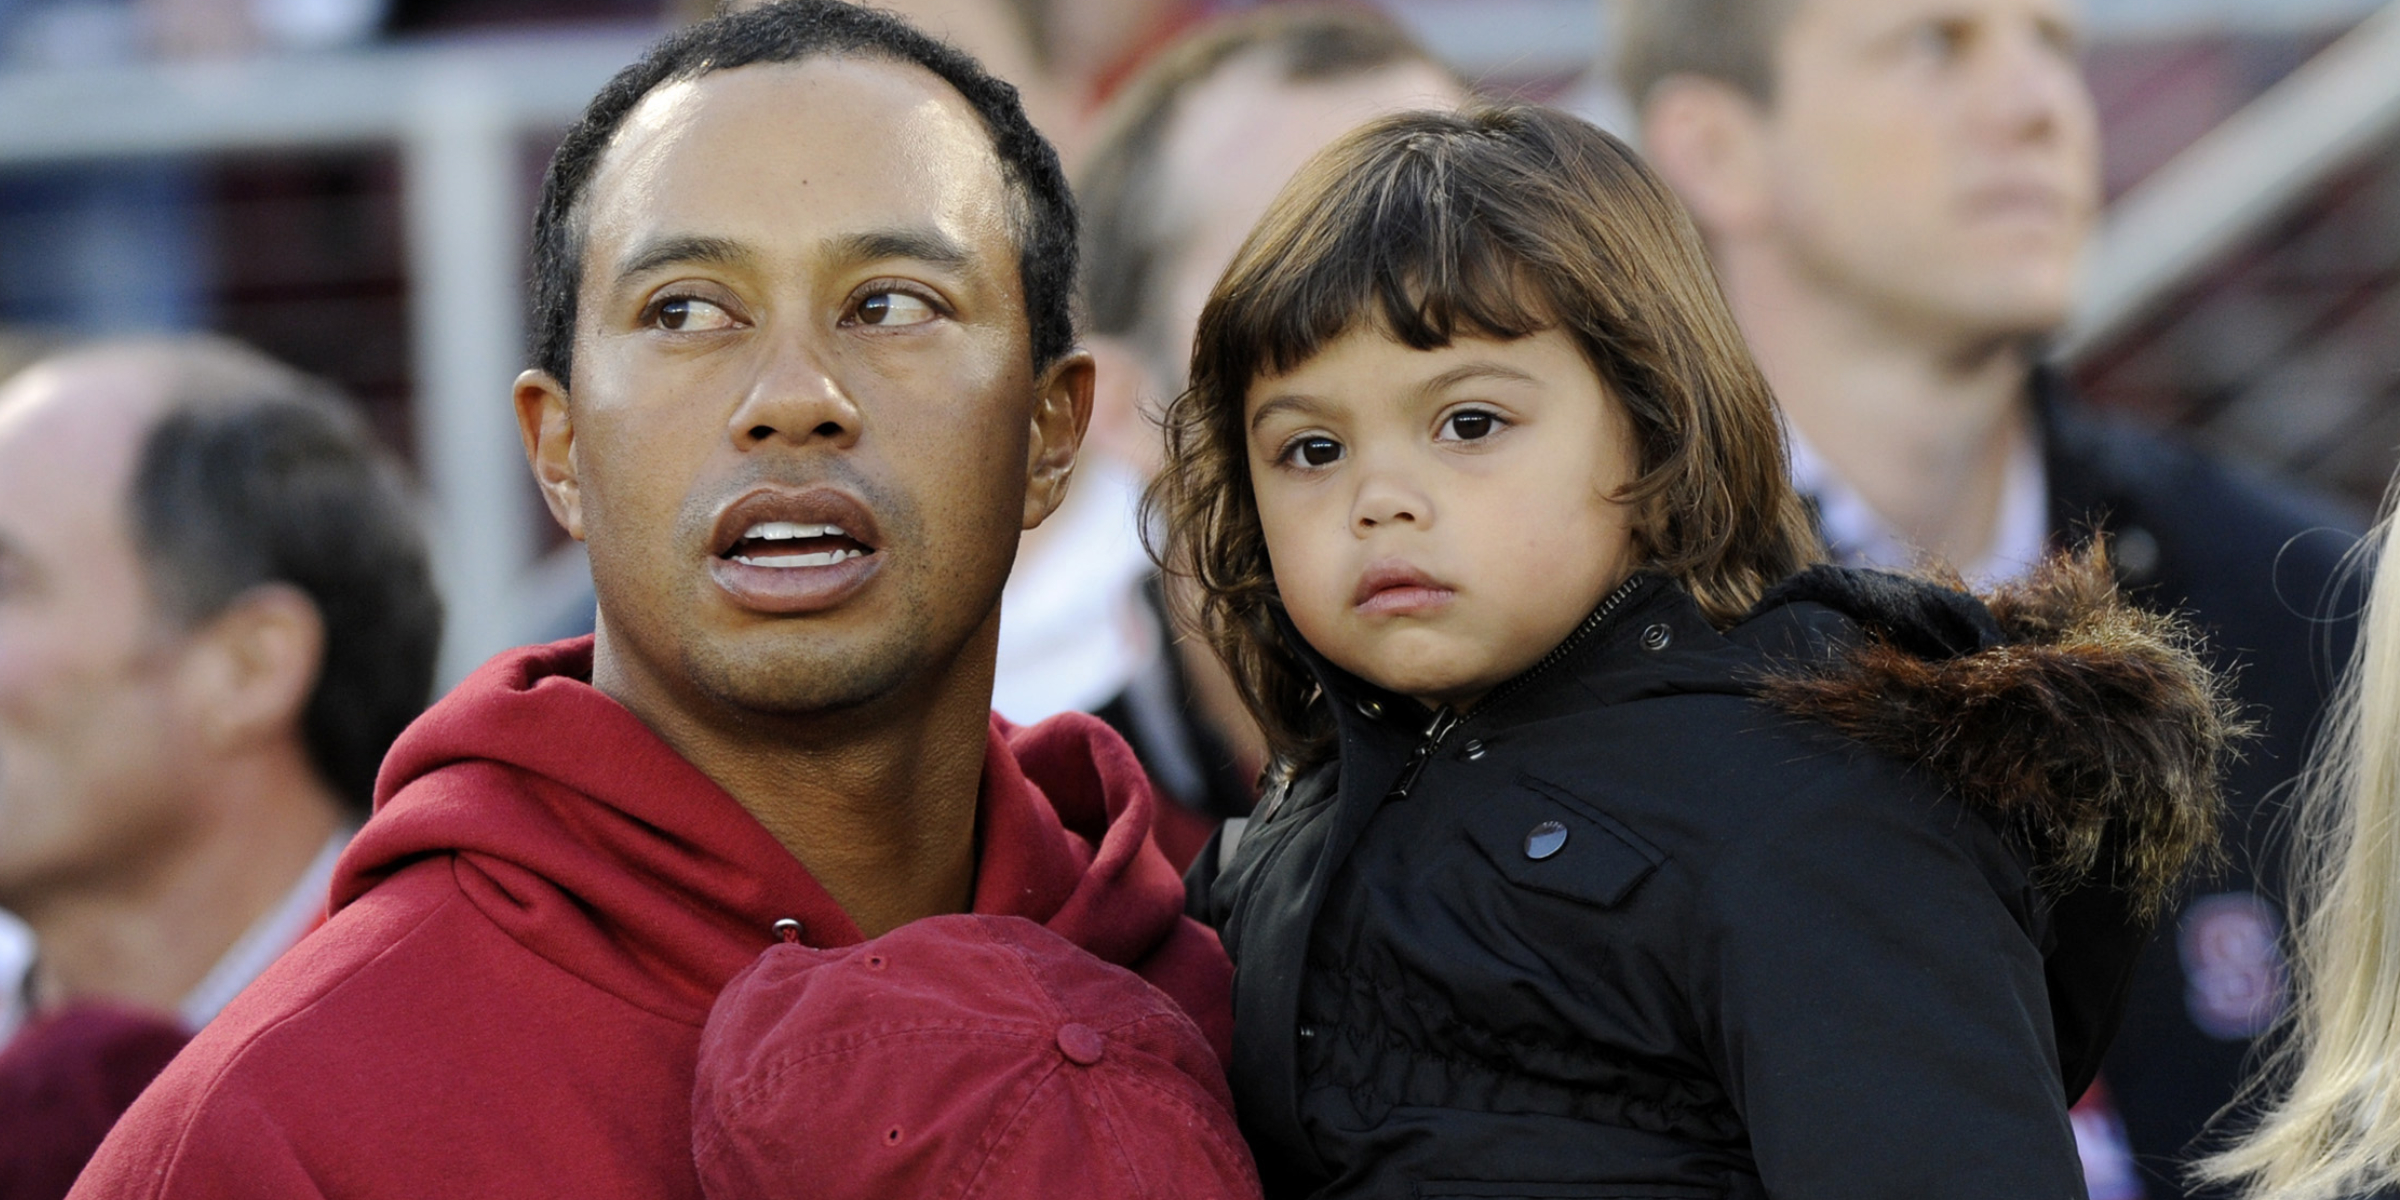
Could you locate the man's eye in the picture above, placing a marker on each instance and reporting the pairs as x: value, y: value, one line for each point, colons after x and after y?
x: 1314, y: 452
x: 688, y: 314
x: 1941, y: 40
x: 1470, y: 426
x: 894, y: 309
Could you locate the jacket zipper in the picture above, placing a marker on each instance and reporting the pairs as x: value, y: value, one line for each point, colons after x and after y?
x: 1445, y: 722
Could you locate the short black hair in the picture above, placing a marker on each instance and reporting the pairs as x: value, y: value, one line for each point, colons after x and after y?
x: 258, y: 474
x: 796, y: 31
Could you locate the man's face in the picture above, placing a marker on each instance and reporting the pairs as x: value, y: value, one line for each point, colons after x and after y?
x: 1937, y: 160
x: 804, y: 415
x: 1236, y: 140
x: 91, y: 737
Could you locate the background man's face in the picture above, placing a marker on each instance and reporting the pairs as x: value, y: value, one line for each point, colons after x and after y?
x: 1236, y: 140
x: 800, y: 308
x: 1937, y: 158
x: 90, y: 735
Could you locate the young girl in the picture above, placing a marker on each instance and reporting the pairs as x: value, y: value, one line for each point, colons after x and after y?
x: 1612, y: 850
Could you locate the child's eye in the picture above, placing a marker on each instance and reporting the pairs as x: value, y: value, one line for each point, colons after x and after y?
x: 1470, y: 426
x: 1315, y: 451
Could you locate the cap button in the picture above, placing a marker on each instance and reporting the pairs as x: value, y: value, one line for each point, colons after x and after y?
x: 1081, y: 1044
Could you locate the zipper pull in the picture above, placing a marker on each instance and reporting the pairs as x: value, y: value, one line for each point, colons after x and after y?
x: 1436, y: 733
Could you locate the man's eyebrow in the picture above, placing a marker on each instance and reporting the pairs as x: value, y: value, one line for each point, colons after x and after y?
x: 924, y: 245
x: 682, y: 249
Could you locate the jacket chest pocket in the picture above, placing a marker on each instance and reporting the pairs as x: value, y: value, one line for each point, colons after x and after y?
x: 1541, y: 836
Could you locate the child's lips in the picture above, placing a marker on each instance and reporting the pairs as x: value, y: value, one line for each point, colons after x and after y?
x: 1397, y: 589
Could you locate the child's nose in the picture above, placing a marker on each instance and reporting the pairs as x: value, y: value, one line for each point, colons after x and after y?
x: 1385, y: 502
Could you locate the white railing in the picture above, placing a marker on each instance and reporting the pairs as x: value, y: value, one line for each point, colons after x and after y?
x: 2240, y: 175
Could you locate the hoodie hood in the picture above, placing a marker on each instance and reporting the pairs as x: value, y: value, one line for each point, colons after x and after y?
x: 588, y: 840
x: 2090, y: 726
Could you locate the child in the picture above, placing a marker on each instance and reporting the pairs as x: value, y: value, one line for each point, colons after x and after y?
x: 1612, y: 849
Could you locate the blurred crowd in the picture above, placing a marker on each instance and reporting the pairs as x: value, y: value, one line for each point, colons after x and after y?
x: 216, y: 610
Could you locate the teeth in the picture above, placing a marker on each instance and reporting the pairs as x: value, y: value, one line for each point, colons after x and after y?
x: 778, y: 531
x: 788, y: 561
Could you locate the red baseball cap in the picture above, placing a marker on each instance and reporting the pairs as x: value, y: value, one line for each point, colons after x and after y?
x: 962, y: 1058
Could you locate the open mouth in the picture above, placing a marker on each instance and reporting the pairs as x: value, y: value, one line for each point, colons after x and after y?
x: 792, y: 545
x: 788, y: 552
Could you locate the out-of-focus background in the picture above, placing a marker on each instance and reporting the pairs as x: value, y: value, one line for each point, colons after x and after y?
x: 346, y: 184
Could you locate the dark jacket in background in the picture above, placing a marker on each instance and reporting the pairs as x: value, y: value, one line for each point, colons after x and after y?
x: 1631, y: 930
x: 64, y: 1081
x: 2254, y: 564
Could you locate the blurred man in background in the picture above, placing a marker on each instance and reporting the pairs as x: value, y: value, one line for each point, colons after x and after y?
x: 1898, y: 193
x: 215, y: 615
x: 1185, y: 161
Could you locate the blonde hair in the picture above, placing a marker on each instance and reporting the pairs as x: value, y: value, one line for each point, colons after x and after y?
x: 2336, y: 1133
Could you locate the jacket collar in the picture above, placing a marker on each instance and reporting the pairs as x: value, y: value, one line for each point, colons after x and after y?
x: 1647, y: 637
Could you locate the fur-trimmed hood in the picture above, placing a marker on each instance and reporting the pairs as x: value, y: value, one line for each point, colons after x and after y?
x: 2092, y: 727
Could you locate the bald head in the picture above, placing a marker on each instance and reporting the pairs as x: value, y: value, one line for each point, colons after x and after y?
x: 162, y: 495
x: 77, y: 624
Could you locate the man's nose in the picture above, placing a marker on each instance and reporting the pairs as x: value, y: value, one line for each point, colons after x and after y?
x: 2032, y: 87
x: 796, y: 397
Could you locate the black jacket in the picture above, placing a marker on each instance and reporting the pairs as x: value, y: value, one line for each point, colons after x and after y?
x: 2256, y: 566
x: 1635, y: 929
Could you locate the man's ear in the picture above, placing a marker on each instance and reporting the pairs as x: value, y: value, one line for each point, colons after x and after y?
x: 548, y: 427
x: 1062, y: 411
x: 1709, y: 140
x: 249, y: 672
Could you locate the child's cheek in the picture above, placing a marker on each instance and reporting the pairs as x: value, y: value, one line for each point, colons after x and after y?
x: 1304, y: 534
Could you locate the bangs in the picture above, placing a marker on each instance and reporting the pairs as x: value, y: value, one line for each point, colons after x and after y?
x: 1401, y: 242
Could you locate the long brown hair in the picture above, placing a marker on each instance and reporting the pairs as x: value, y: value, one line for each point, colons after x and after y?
x: 1499, y: 223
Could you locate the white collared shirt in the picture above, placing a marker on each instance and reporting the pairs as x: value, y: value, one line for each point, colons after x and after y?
x: 1858, y: 536
x: 275, y: 931
x: 16, y: 972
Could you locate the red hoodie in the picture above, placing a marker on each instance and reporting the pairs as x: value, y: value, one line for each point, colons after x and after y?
x: 527, y: 938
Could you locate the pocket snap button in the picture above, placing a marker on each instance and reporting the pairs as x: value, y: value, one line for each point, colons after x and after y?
x: 1546, y: 839
x: 1473, y: 750
x: 1370, y: 709
x: 1657, y: 637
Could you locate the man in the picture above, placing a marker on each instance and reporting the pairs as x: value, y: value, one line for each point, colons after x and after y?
x: 1897, y: 193
x: 1187, y: 160
x: 215, y: 615
x: 804, y: 370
